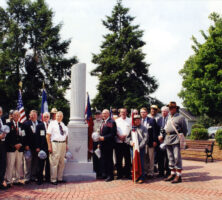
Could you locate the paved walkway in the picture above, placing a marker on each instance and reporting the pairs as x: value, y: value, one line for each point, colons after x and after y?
x: 200, y: 181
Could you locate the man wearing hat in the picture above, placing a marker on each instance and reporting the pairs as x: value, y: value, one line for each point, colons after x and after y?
x: 41, y: 145
x: 96, y: 128
x: 154, y: 112
x: 143, y: 138
x: 175, y: 124
x: 53, y: 113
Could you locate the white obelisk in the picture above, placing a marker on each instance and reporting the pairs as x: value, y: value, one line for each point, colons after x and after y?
x: 78, y: 168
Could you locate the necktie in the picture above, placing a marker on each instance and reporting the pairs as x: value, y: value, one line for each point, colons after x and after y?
x: 61, y: 129
x: 101, y: 129
x: 163, y: 122
x: 16, y: 128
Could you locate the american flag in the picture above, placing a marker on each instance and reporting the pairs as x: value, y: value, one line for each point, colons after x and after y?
x: 20, y: 108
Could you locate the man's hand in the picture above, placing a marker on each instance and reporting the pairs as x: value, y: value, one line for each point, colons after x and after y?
x: 154, y: 144
x: 122, y: 137
x: 160, y: 138
x: 38, y: 150
x: 18, y: 146
x: 27, y: 148
x: 67, y: 148
x: 101, y: 138
x: 50, y: 149
x: 2, y: 136
x: 132, y: 143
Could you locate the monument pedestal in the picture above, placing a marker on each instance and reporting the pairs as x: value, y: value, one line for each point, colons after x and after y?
x: 78, y: 168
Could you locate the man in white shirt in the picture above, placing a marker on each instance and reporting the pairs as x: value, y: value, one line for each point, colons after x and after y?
x: 122, y: 148
x: 57, y: 138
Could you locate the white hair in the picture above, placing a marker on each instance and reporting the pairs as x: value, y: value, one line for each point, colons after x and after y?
x: 165, y: 108
x: 105, y: 110
x: 46, y: 113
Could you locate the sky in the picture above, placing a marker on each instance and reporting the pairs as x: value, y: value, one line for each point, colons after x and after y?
x: 168, y: 26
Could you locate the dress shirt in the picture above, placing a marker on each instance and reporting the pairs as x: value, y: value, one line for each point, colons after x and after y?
x: 123, y: 127
x: 55, y: 133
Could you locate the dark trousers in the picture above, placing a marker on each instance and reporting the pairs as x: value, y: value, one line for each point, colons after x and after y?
x: 107, y: 160
x: 2, y: 161
x: 123, y: 151
x: 97, y: 165
x: 162, y: 160
x: 42, y: 164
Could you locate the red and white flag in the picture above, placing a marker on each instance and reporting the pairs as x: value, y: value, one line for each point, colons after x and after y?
x: 136, y: 168
x: 20, y: 108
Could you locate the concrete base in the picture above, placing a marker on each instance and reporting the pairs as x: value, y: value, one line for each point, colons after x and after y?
x: 78, y: 168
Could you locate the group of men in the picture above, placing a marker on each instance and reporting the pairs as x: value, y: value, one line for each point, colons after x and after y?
x: 157, y: 135
x: 33, y: 150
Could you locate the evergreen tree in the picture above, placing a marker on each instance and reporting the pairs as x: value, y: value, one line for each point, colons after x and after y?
x: 32, y: 52
x: 202, y: 73
x: 121, y: 69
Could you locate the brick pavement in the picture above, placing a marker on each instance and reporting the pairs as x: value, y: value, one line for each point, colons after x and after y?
x: 200, y: 181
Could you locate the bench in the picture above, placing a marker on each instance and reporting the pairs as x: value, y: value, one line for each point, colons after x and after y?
x: 199, y: 148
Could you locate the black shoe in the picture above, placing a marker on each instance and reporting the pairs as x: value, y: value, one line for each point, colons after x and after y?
x: 39, y: 182
x: 54, y: 183
x: 119, y: 177
x: 129, y: 177
x: 109, y: 179
x: 27, y: 182
x: 155, y: 169
x: 17, y: 183
x: 62, y: 181
x: 3, y: 187
x: 160, y: 175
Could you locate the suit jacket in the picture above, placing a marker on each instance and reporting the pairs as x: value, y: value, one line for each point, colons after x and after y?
x: 41, y: 141
x: 152, y: 131
x: 30, y: 136
x: 108, y: 131
x: 14, y: 137
x: 3, y: 120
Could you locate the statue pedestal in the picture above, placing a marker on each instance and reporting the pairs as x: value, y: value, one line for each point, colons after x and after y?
x: 78, y: 168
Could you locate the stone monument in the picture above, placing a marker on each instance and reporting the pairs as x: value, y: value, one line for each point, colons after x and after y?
x: 78, y: 168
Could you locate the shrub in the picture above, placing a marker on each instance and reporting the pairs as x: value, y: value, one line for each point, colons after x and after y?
x: 218, y: 138
x: 197, y: 126
x: 199, y: 134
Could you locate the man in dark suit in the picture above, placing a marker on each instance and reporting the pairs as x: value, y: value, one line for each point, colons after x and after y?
x: 163, y: 163
x: 150, y: 124
x: 41, y: 144
x: 107, y: 134
x: 15, y: 147
x: 3, y: 184
x: 31, y: 165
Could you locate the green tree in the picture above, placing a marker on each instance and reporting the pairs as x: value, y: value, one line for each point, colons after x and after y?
x: 202, y: 73
x: 32, y: 52
x: 121, y: 69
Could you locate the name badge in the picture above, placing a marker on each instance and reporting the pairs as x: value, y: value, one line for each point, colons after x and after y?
x: 23, y: 133
x: 42, y: 133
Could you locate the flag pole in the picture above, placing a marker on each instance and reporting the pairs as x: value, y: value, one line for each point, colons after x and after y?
x: 134, y: 167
